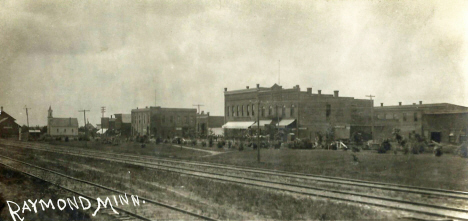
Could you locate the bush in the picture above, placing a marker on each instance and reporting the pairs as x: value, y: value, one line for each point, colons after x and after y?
x: 211, y: 143
x: 194, y: 142
x: 203, y: 143
x: 241, y: 146
x: 220, y: 144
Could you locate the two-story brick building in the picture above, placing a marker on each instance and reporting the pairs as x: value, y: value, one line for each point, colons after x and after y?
x: 300, y: 112
x: 423, y: 119
x: 164, y: 122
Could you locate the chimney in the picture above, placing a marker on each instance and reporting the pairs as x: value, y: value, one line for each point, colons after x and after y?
x: 399, y: 103
x: 336, y: 93
x: 208, y: 114
x: 258, y: 85
x: 420, y: 102
x: 298, y: 88
x: 202, y: 112
x: 381, y: 104
x: 225, y: 89
x: 247, y: 87
x: 319, y: 92
x: 309, y: 90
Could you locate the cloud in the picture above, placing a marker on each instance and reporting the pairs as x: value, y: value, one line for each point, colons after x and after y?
x: 124, y: 54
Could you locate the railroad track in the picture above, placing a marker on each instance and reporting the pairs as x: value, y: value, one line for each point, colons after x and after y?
x: 435, y: 210
x: 150, y: 209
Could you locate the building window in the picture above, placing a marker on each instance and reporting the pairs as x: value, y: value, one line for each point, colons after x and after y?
x: 242, y: 110
x: 178, y: 119
x: 328, y: 111
x: 270, y: 110
x: 283, y: 111
x: 404, y: 116
x: 253, y: 110
x: 72, y: 131
x: 415, y: 116
x: 395, y: 116
x: 227, y: 111
x: 64, y: 130
x: 248, y: 110
x: 237, y: 112
x: 292, y: 111
x: 233, y: 111
x: 263, y: 111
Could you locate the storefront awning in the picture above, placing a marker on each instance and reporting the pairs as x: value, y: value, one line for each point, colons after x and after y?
x: 262, y: 123
x: 286, y: 122
x: 238, y: 125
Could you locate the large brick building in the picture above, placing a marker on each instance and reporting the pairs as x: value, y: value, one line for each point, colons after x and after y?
x: 164, y: 122
x: 433, y: 121
x: 300, y: 112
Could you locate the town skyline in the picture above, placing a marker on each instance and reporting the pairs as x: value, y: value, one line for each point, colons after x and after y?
x: 72, y: 56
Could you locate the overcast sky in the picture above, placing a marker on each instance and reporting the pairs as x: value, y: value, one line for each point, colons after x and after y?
x: 127, y: 54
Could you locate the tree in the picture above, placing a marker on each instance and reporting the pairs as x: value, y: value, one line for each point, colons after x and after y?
x: 44, y: 130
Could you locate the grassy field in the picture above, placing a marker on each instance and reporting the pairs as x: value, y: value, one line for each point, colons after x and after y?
x: 447, y: 171
x: 223, y: 200
x: 18, y: 188
x: 163, y: 150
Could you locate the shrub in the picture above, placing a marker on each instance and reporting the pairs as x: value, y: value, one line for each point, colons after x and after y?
x: 203, y: 143
x: 194, y: 142
x: 241, y: 146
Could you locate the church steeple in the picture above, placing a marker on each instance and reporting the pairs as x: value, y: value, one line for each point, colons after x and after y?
x: 50, y: 112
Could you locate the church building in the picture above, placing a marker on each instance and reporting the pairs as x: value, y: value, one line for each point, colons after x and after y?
x: 61, y: 127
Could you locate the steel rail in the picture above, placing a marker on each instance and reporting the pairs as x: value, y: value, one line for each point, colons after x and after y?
x: 106, y: 188
x: 318, y: 178
x: 271, y: 185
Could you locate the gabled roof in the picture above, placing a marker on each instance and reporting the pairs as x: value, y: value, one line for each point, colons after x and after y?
x: 4, y: 114
x: 63, y: 122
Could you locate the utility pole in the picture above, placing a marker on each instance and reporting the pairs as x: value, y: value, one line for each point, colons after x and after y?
x: 372, y: 113
x: 198, y: 105
x: 27, y: 116
x: 258, y: 128
x: 103, y: 110
x: 84, y: 120
x: 279, y: 71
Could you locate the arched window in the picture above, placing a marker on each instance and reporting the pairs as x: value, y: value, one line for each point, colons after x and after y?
x: 270, y: 110
x: 242, y: 110
x: 292, y: 110
x: 253, y: 110
x: 283, y: 111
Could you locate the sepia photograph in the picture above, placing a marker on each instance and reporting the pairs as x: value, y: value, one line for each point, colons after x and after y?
x: 233, y: 110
